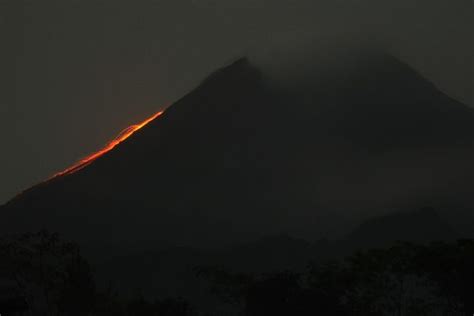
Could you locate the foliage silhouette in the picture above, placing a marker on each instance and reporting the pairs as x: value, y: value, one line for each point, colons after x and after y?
x: 51, y: 278
x: 49, y: 274
x: 403, y: 280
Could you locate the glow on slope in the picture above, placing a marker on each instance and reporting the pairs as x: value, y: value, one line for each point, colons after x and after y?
x: 126, y: 133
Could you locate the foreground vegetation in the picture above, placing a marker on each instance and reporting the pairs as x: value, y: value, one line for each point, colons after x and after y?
x: 47, y: 276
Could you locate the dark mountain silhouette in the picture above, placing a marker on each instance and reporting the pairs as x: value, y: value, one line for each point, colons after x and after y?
x: 239, y: 158
x: 420, y: 226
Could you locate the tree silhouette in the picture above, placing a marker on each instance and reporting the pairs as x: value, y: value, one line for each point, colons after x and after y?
x: 449, y: 268
x: 48, y: 273
x: 402, y: 280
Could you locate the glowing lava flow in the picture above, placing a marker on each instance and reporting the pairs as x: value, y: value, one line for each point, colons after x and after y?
x: 126, y: 133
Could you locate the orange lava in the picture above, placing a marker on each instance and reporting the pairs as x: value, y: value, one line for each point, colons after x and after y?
x: 126, y: 133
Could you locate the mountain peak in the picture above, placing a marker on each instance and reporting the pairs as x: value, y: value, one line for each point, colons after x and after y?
x: 239, y: 71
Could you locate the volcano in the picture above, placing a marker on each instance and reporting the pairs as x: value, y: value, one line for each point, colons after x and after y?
x: 240, y: 157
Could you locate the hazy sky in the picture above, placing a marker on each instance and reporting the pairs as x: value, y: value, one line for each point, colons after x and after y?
x: 74, y: 73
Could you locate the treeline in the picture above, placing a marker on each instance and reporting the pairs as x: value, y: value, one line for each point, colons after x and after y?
x: 41, y: 275
x: 47, y: 276
x: 406, y: 279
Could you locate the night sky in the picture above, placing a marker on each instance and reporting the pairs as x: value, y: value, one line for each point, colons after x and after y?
x: 74, y: 73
